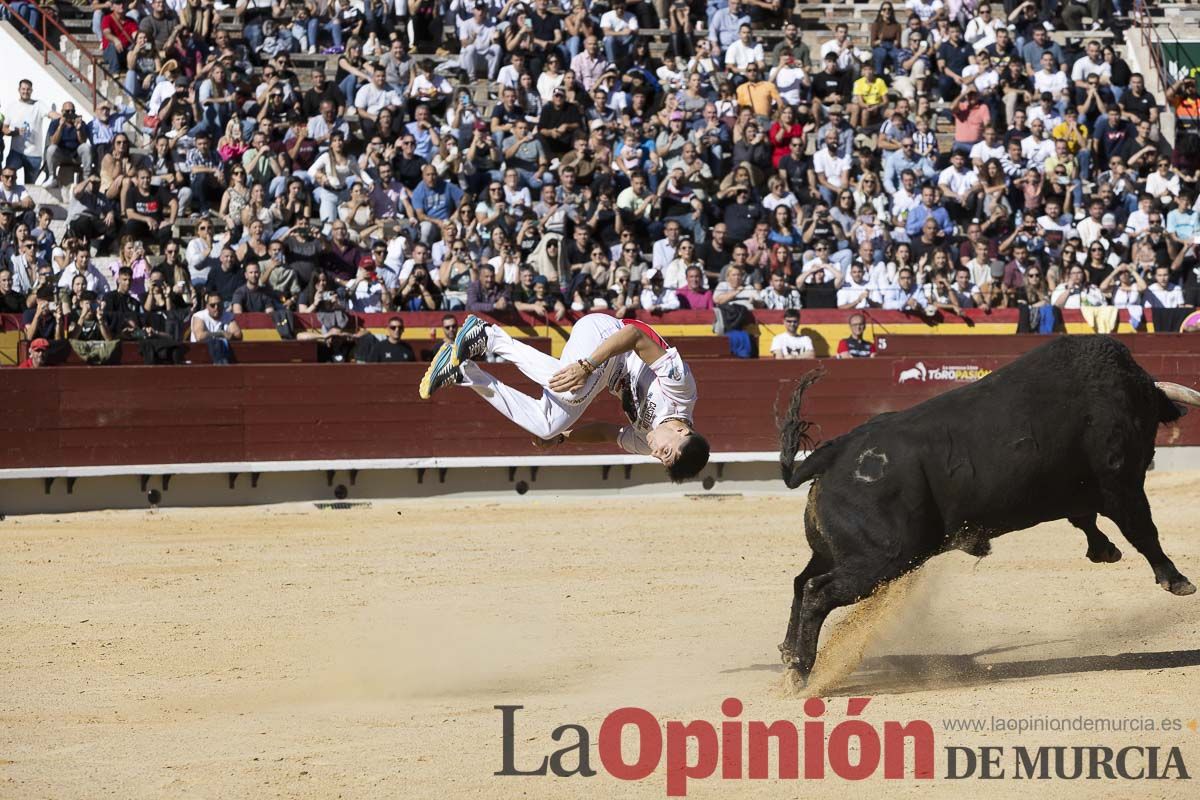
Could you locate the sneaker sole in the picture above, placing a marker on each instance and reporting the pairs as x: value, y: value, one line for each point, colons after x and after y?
x: 439, y: 360
x: 471, y: 324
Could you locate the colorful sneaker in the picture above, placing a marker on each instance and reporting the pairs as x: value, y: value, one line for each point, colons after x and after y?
x: 471, y: 342
x: 440, y: 373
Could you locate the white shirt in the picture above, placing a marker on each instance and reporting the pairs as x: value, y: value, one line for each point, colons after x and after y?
x: 829, y: 165
x: 619, y: 24
x: 1090, y: 293
x: 1084, y: 68
x: 924, y: 9
x: 742, y: 56
x: 373, y: 99
x: 980, y: 34
x: 985, y: 82
x: 791, y: 344
x: 1051, y: 117
x: 790, y: 82
x: 1053, y: 82
x: 1158, y: 297
x: 95, y: 280
x: 663, y: 254
x: 219, y: 325
x: 851, y: 291
x: 958, y: 182
x: 843, y: 53
x: 1036, y: 152
x: 666, y: 299
x: 1156, y: 184
x: 984, y: 152
x: 27, y: 121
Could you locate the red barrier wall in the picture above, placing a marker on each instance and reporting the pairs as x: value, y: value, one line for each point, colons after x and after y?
x: 148, y: 415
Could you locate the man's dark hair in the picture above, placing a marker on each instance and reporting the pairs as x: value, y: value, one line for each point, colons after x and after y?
x: 693, y: 457
x: 125, y: 272
x: 792, y: 313
x: 396, y: 319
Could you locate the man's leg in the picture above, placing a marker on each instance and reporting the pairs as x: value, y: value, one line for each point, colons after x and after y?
x: 553, y: 413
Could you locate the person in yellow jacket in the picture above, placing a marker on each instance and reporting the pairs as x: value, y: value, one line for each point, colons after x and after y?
x: 870, y: 98
x: 1075, y: 134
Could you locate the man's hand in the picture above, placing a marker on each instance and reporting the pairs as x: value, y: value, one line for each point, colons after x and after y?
x: 569, y: 378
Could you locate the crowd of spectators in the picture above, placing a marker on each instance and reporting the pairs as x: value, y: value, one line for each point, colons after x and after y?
x: 598, y: 154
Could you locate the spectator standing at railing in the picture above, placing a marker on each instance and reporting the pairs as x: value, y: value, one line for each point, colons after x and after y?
x: 23, y: 121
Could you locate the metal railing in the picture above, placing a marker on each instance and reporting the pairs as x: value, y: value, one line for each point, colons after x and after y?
x: 48, y: 35
x: 1152, y: 41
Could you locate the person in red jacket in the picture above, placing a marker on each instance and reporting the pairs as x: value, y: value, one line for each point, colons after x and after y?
x: 37, y: 355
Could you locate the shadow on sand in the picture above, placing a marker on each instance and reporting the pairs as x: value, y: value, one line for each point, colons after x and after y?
x: 901, y: 674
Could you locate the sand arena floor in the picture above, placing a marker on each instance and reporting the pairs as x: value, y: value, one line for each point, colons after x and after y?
x: 291, y: 652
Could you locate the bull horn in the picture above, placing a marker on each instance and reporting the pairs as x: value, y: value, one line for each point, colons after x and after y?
x: 1179, y: 394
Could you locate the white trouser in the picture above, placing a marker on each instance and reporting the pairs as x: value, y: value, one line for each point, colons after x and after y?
x: 552, y: 413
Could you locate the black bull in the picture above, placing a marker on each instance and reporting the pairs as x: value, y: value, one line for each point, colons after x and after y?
x: 1065, y: 431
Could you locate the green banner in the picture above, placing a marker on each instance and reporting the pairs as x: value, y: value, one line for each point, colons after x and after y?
x: 1180, y: 59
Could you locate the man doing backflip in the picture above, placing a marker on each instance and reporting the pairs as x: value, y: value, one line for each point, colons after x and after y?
x: 626, y: 357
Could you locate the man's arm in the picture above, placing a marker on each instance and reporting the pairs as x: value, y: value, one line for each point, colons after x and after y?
x: 628, y: 339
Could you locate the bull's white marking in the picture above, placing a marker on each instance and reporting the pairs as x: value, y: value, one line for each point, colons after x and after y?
x: 874, y: 462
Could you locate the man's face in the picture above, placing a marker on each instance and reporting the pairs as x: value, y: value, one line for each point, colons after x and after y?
x: 213, y: 306
x: 1135, y: 84
x: 927, y: 196
x: 486, y: 278
x: 1162, y: 276
x: 5, y: 282
x: 420, y: 253
x: 908, y: 180
x: 856, y: 273
x: 778, y: 283
x: 25, y: 91
x: 734, y: 277
x: 395, y: 330
x: 694, y: 278
x: 666, y: 441
x: 930, y: 229
x: 252, y: 275
x: 593, y: 46
x: 123, y: 281
x: 790, y: 324
x: 429, y: 175
x: 906, y: 280
x: 718, y: 232
x: 672, y: 232
x: 339, y: 232
x: 961, y: 278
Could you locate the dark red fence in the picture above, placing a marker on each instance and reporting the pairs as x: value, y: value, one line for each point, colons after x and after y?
x: 258, y: 412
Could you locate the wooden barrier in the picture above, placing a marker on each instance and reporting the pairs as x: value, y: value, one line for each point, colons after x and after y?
x: 82, y: 416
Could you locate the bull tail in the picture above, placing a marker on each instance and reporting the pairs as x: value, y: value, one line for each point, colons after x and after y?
x: 794, y: 435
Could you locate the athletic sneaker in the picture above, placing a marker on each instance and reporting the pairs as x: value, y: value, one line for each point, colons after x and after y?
x: 440, y: 373
x: 471, y: 342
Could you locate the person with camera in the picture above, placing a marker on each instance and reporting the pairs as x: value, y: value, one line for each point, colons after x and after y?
x: 1075, y: 291
x: 85, y: 323
x: 69, y: 143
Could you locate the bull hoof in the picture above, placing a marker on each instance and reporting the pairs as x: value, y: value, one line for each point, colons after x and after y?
x: 1106, y: 554
x: 787, y: 654
x: 1182, y: 587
